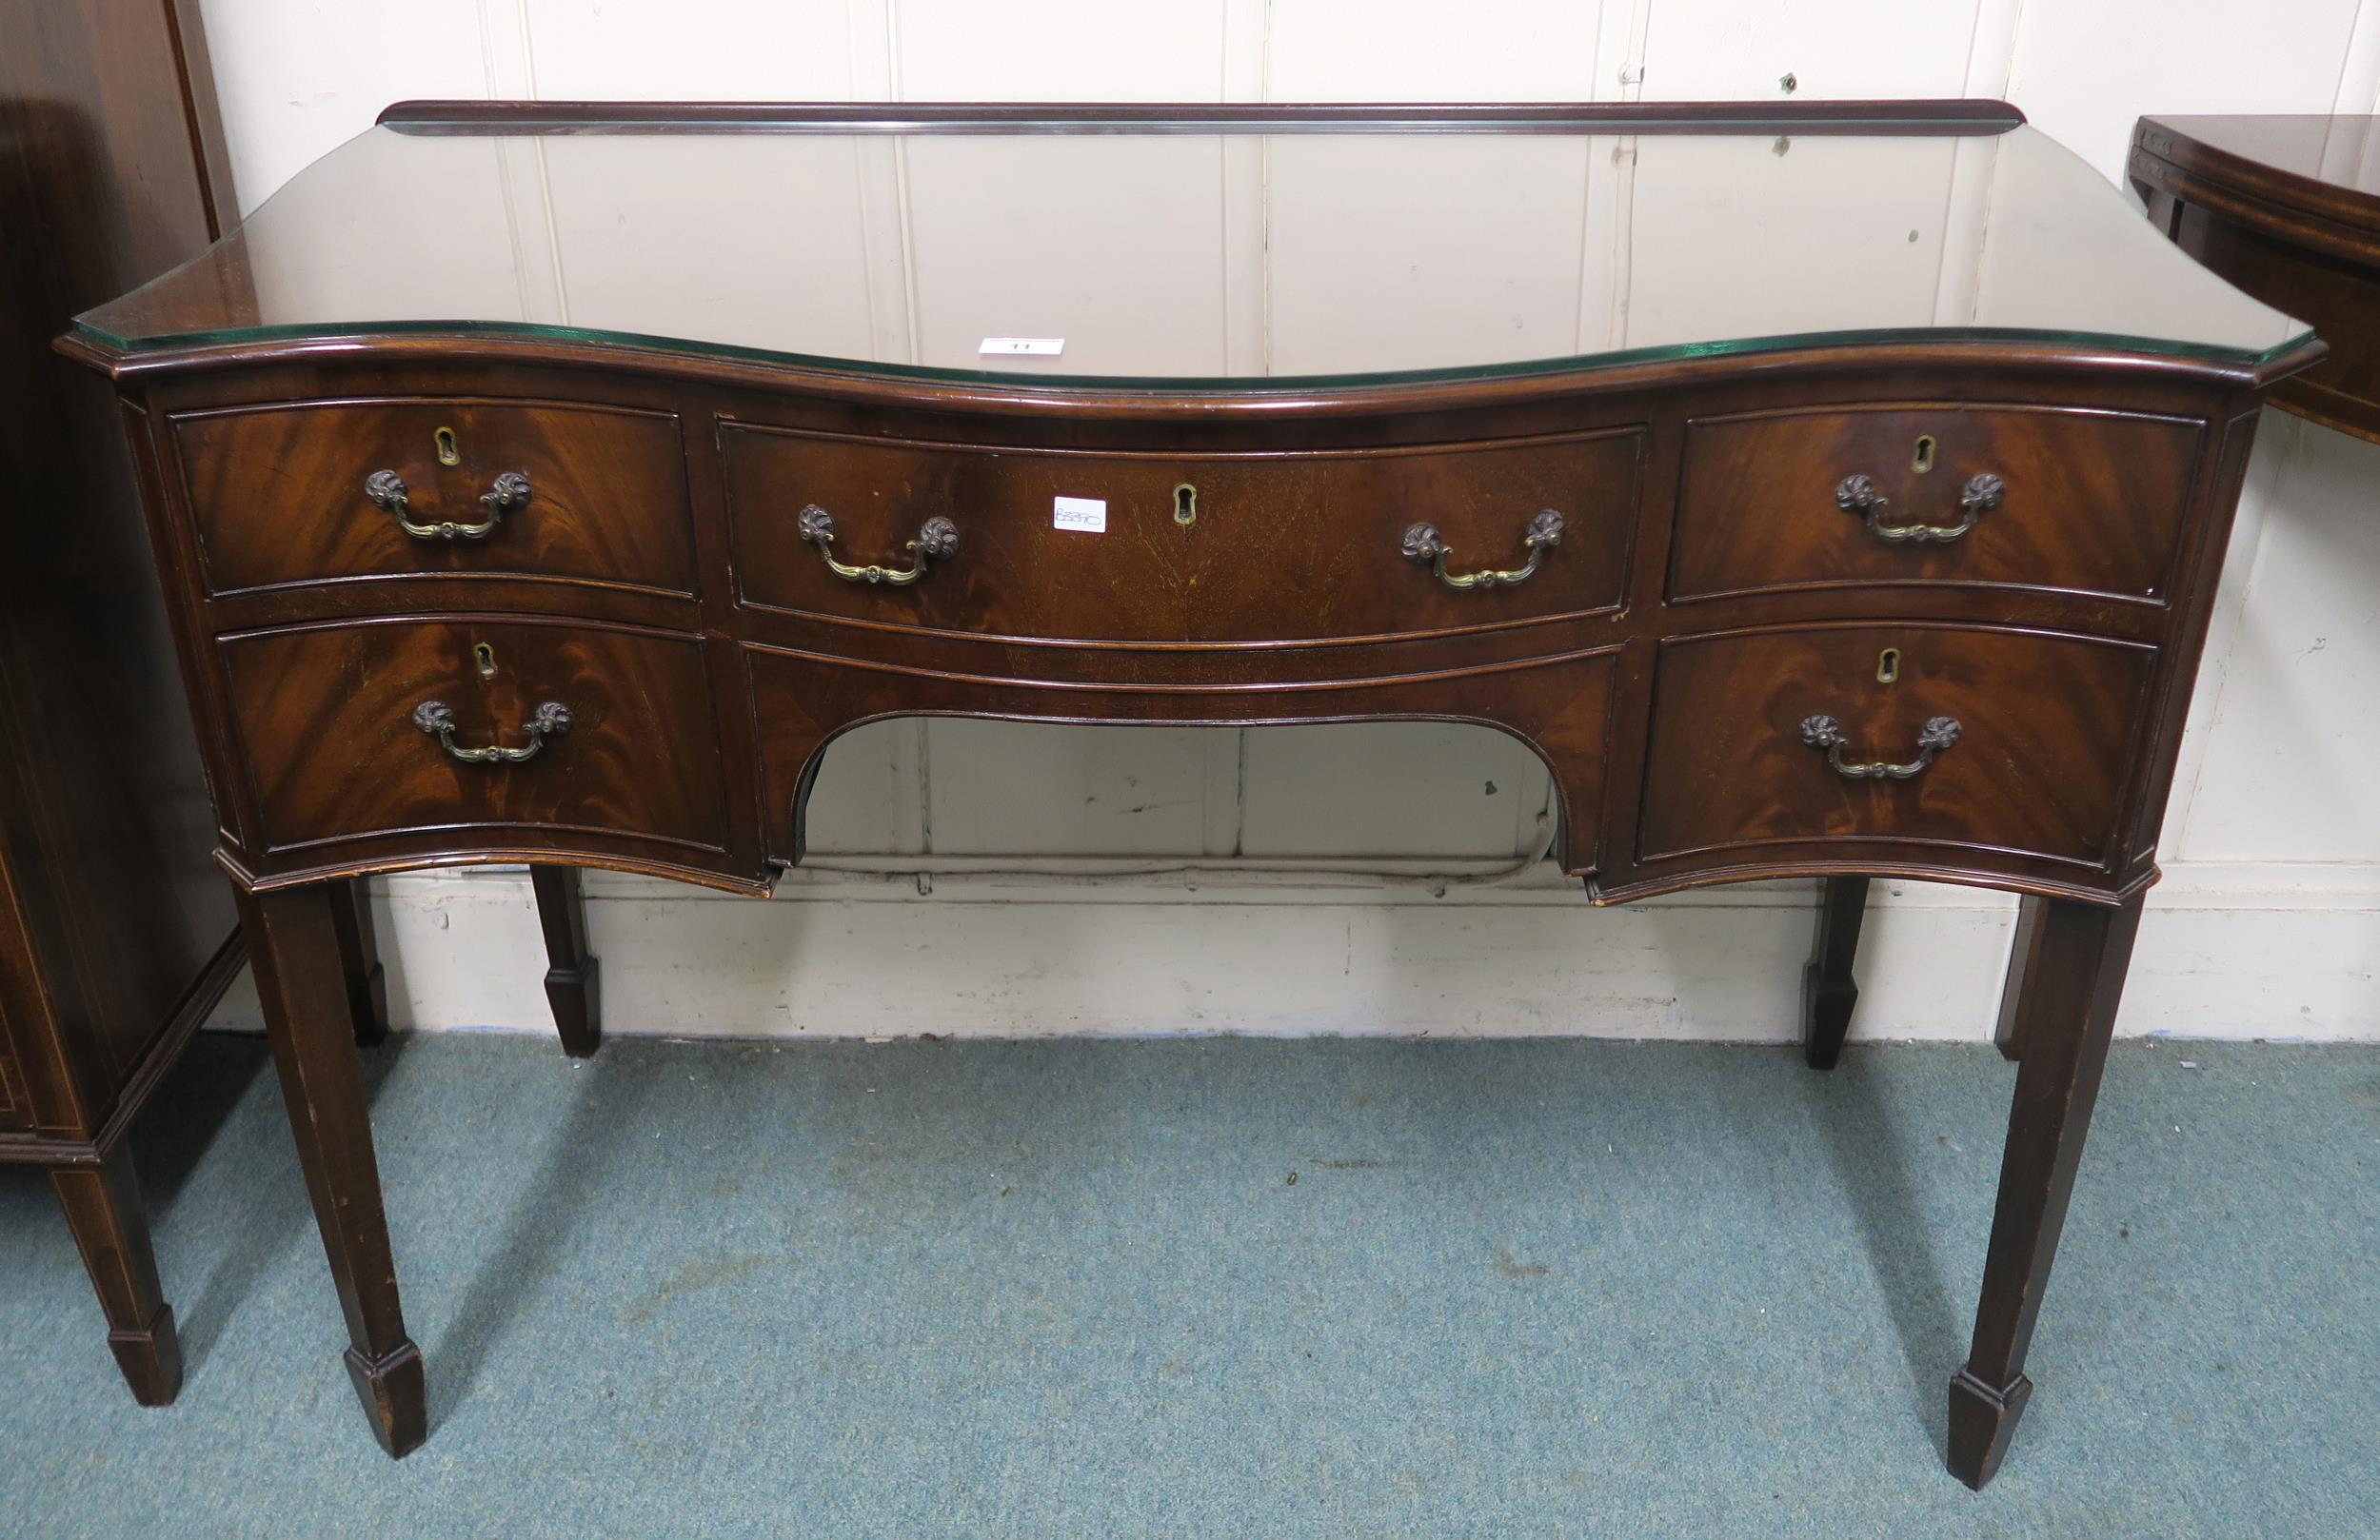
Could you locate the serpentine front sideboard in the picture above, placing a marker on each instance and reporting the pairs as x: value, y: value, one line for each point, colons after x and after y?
x: 553, y: 483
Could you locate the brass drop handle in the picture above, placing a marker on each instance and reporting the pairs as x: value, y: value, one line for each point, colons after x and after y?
x: 937, y: 541
x: 1858, y: 494
x: 549, y: 720
x: 1823, y: 732
x: 387, y: 489
x: 1423, y: 546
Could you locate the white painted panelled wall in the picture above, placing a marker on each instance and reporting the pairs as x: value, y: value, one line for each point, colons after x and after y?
x: 997, y: 879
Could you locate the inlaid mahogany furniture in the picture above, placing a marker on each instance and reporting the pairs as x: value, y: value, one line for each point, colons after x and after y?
x: 2287, y: 207
x: 115, y: 936
x: 554, y: 482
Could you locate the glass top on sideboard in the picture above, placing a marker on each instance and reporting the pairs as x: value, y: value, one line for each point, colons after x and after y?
x: 1204, y: 255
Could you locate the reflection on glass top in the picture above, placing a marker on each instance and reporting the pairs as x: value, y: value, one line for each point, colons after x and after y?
x: 1215, y: 258
x: 2344, y: 152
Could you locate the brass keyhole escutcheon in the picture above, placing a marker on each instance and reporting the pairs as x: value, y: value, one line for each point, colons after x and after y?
x: 448, y: 453
x: 1923, y: 461
x: 484, y: 659
x: 1888, y: 665
x: 1186, y: 505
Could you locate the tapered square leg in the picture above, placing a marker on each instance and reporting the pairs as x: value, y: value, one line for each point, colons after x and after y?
x: 2066, y: 981
x: 359, y: 954
x: 570, y: 973
x: 1828, y: 991
x: 2008, y: 1036
x: 110, y: 1224
x: 302, y: 982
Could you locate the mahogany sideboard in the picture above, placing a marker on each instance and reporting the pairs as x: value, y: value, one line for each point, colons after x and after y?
x: 2287, y: 207
x: 553, y: 483
x: 116, y: 936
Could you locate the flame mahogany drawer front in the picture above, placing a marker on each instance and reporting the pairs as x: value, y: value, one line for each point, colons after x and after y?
x: 315, y: 491
x: 1224, y: 548
x: 1986, y: 740
x: 2086, y: 502
x: 397, y: 727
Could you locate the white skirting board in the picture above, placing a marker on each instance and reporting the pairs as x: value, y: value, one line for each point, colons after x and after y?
x: 2226, y: 950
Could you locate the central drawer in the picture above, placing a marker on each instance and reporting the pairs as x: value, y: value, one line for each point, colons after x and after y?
x: 1164, y: 547
x: 382, y: 728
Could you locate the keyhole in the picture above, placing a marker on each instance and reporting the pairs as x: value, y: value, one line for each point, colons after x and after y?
x: 448, y: 453
x: 1186, y: 505
x: 1924, y: 461
x: 1888, y: 665
x: 484, y: 659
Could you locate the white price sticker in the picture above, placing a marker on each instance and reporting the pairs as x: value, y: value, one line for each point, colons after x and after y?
x: 1007, y: 346
x: 1088, y: 514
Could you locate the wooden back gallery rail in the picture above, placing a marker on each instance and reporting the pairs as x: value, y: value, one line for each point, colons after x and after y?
x: 553, y: 483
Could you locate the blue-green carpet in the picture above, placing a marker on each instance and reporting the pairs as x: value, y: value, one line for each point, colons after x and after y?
x: 1226, y: 1288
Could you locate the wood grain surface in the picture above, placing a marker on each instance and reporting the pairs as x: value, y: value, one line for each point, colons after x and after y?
x: 2094, y: 500
x: 1277, y: 547
x: 277, y: 493
x: 2049, y: 726
x: 327, y: 715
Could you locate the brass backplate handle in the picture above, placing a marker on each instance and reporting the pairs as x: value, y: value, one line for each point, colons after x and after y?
x: 549, y: 720
x: 1858, y: 495
x: 1423, y: 544
x: 387, y: 489
x: 937, y: 541
x: 1823, y: 732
